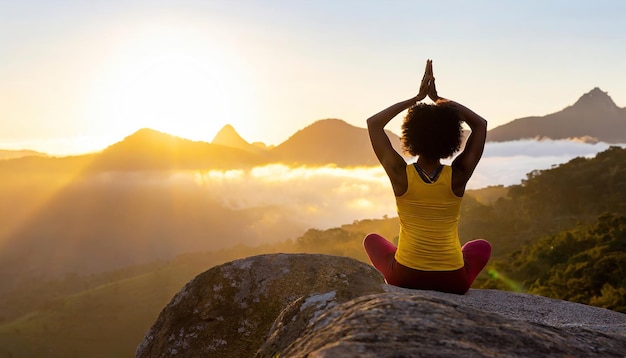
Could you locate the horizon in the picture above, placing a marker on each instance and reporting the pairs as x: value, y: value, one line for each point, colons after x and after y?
x: 103, y: 143
x: 503, y: 163
x: 100, y: 143
x: 78, y: 76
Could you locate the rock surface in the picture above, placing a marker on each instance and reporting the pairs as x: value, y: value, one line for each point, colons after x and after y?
x: 405, y: 325
x: 300, y: 305
x: 228, y: 310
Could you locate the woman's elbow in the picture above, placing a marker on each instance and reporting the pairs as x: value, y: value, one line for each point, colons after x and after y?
x: 373, y: 123
x: 479, y: 123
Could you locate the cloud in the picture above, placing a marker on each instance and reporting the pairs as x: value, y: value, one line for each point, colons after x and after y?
x: 543, y: 148
x: 507, y: 163
x: 320, y: 196
x: 323, y: 197
x: 277, y: 194
x: 330, y: 196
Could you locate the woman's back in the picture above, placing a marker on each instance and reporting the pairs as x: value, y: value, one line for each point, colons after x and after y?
x: 429, y: 213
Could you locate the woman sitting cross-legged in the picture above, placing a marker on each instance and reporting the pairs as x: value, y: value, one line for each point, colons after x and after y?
x: 428, y: 194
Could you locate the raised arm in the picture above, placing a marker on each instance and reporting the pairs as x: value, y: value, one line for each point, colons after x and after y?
x: 392, y: 161
x: 464, y: 164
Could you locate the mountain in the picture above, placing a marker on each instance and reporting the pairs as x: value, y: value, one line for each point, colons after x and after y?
x: 131, y: 204
x: 330, y: 141
x: 148, y: 149
x: 12, y: 154
x: 228, y: 137
x: 593, y: 115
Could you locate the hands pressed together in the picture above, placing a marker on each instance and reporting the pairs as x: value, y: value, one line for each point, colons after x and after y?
x: 427, y: 87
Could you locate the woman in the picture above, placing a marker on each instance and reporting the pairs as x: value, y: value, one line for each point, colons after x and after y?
x: 428, y: 194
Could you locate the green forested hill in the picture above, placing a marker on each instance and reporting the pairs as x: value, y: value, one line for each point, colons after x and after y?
x: 586, y: 264
x: 561, y: 233
x: 549, y: 201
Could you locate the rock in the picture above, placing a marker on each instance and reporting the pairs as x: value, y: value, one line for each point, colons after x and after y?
x: 228, y: 310
x: 406, y: 325
x: 325, y: 306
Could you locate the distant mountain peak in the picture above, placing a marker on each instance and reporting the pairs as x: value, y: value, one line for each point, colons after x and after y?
x: 330, y: 122
x: 146, y: 139
x: 329, y: 141
x: 19, y: 153
x: 596, y: 98
x: 594, y: 115
x: 145, y: 131
x: 149, y: 135
x: 228, y: 128
x: 228, y: 136
x: 321, y: 127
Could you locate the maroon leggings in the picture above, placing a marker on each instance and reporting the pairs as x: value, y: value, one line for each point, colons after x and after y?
x: 381, y: 252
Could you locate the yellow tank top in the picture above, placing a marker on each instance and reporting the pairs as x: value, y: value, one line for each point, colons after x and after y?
x: 429, y: 216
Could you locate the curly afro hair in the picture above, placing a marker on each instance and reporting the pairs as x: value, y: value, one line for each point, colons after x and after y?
x: 432, y: 131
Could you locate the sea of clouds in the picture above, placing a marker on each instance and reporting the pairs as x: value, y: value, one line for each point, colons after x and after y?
x: 330, y: 196
x: 507, y: 163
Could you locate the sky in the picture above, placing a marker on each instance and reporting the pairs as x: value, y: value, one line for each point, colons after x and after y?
x: 76, y: 76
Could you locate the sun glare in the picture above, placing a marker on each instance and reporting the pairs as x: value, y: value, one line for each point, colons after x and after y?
x: 169, y: 79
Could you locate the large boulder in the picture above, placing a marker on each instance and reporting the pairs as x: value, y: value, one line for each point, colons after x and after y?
x: 300, y: 305
x: 228, y: 310
x: 403, y: 324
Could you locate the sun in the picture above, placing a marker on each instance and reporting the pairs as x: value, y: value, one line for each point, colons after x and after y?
x: 170, y: 79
